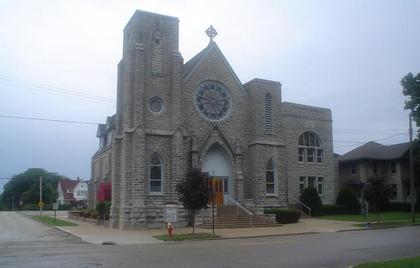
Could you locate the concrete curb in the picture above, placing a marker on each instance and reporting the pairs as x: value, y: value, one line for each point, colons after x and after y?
x: 377, y: 228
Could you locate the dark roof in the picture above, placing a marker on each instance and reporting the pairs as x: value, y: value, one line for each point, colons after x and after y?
x: 190, y: 65
x: 67, y: 184
x: 374, y: 150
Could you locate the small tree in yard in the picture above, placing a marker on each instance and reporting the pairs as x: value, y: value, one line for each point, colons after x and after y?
x: 377, y: 194
x: 348, y: 199
x: 311, y: 198
x: 194, y: 192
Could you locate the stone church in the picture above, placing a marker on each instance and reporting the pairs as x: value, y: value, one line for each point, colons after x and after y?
x: 172, y: 116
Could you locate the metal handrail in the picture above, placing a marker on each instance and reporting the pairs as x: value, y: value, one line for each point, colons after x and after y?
x: 302, y: 204
x: 240, y: 206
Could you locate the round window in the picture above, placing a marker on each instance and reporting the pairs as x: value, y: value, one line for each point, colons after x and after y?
x: 213, y: 100
x: 156, y: 105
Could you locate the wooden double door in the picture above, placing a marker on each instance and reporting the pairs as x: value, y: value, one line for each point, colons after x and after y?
x: 218, y: 188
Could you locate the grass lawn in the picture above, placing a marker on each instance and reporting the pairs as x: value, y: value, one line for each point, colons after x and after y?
x: 181, y: 237
x: 388, y: 216
x: 402, y: 263
x: 50, y: 220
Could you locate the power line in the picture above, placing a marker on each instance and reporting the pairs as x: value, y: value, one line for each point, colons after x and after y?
x: 49, y: 120
x: 45, y: 88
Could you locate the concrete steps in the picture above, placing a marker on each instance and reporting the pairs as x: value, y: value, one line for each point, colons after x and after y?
x: 229, y: 217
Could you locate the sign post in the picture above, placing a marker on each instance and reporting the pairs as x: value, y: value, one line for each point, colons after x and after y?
x: 55, y: 207
x: 171, y: 213
x: 40, y: 203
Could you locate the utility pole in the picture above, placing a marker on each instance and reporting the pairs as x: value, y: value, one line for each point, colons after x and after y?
x: 413, y: 215
x: 40, y: 195
x: 13, y: 202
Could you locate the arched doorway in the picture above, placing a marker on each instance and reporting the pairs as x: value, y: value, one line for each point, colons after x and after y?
x: 217, y: 165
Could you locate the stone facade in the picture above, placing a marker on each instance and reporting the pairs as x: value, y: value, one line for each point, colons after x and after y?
x: 163, y: 128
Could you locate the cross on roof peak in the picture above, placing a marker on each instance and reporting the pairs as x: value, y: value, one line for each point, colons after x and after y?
x: 211, y: 32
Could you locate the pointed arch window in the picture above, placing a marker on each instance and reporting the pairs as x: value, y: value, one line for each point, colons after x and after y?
x: 267, y: 115
x: 155, y: 176
x: 270, y: 182
x: 309, y: 148
x: 157, y: 53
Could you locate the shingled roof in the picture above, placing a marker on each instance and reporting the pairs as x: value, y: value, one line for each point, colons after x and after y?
x: 67, y: 187
x: 374, y: 150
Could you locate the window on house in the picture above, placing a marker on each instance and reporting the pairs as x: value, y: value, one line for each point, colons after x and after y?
x: 353, y: 169
x: 301, y: 154
x: 394, y: 191
x: 393, y: 168
x: 311, y: 181
x: 302, y: 184
x: 320, y: 185
x: 309, y: 145
x: 319, y: 155
x: 407, y: 188
x: 267, y: 115
x: 155, y: 183
x: 269, y: 178
x: 157, y: 53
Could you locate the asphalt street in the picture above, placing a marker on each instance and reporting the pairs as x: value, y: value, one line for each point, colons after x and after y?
x: 25, y: 243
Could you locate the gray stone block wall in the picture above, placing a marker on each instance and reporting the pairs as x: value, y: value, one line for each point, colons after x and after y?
x: 182, y: 136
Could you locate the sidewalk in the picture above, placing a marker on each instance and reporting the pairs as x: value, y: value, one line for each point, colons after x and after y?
x: 95, y: 234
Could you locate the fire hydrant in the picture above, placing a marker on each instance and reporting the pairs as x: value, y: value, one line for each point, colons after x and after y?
x: 170, y: 228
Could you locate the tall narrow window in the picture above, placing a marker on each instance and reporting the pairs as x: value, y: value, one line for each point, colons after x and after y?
x: 320, y: 185
x: 155, y: 183
x: 309, y: 147
x: 267, y: 115
x: 353, y: 169
x: 157, y: 53
x: 269, y: 178
x: 393, y: 168
x: 302, y: 184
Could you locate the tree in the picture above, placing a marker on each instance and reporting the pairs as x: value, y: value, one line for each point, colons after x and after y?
x: 411, y: 89
x: 311, y: 198
x: 194, y: 192
x: 377, y: 194
x: 347, y: 198
x: 25, y: 187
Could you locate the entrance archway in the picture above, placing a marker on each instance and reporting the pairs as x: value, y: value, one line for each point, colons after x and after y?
x: 217, y: 165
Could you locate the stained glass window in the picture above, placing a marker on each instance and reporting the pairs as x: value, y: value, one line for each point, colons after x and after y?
x: 213, y: 100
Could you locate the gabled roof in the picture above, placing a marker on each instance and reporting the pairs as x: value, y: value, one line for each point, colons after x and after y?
x: 66, y: 185
x: 375, y: 151
x: 191, y: 65
x: 101, y: 130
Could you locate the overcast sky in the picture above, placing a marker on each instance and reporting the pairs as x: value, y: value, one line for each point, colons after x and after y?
x: 58, y: 60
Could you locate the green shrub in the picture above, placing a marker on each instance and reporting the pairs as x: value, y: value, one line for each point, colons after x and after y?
x: 85, y: 213
x: 94, y: 214
x: 29, y: 207
x: 103, y: 209
x: 100, y: 208
x: 311, y: 198
x: 107, y: 209
x: 348, y: 199
x: 285, y: 215
x: 64, y: 207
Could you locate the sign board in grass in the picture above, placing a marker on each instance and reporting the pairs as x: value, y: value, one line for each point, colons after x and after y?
x: 50, y: 220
